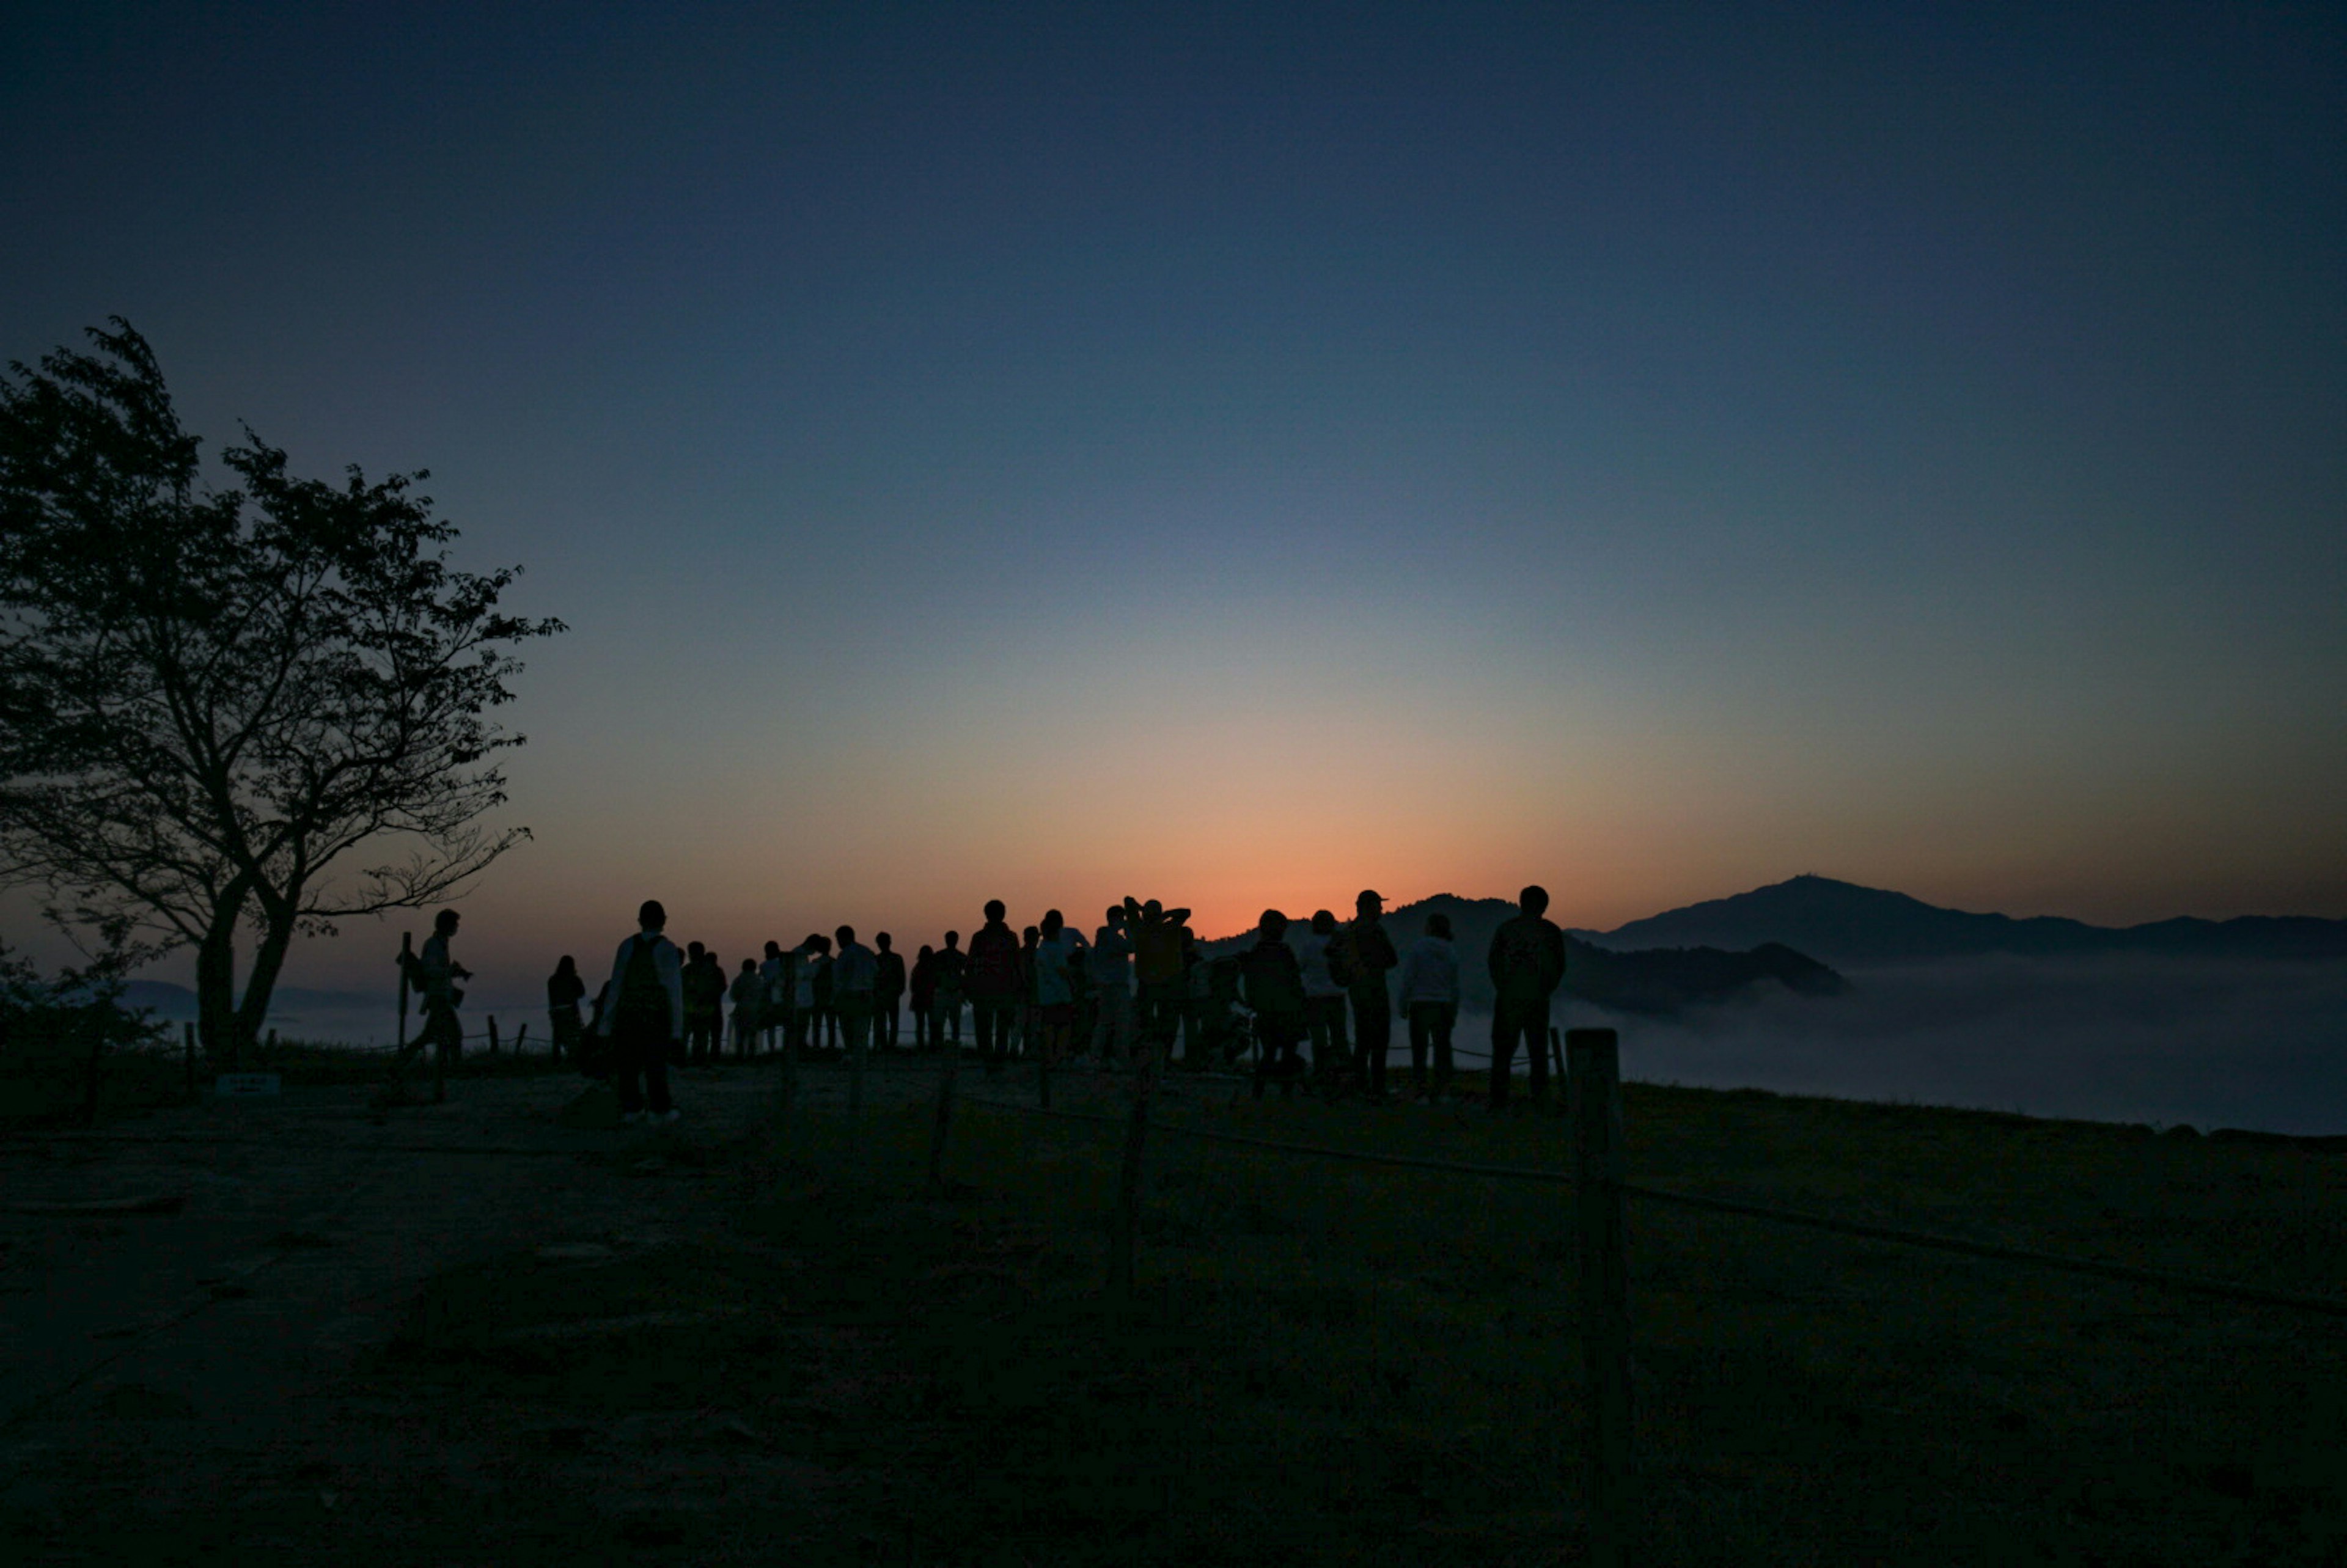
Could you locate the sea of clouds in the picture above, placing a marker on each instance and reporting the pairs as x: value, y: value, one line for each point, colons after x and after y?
x: 2210, y: 1043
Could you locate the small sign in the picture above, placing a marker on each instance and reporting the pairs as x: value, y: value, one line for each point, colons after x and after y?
x: 246, y: 1085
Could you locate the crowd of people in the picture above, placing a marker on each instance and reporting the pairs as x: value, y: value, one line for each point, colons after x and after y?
x: 1140, y: 990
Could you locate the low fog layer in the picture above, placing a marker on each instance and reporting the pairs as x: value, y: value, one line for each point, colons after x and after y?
x: 2212, y: 1043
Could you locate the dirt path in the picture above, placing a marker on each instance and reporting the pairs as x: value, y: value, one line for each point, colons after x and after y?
x: 167, y: 1355
x: 164, y: 1372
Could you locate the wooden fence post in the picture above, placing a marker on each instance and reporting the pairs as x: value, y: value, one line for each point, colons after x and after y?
x: 1126, y: 1229
x: 944, y: 1118
x: 1593, y: 1091
x: 187, y: 1035
x: 495, y: 1043
x: 407, y: 959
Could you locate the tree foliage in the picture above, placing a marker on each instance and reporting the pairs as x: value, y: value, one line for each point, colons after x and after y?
x: 265, y: 702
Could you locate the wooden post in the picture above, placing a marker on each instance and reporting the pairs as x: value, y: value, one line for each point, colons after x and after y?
x: 1126, y: 1229
x: 521, y: 1035
x: 1593, y: 1088
x: 407, y: 959
x: 495, y: 1044
x: 944, y: 1128
x: 187, y: 1035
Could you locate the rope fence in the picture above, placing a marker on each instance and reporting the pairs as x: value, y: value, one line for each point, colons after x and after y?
x: 1599, y: 1180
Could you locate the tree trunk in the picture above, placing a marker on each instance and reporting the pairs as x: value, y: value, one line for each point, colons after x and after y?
x: 268, y: 959
x: 216, y: 973
x: 216, y: 988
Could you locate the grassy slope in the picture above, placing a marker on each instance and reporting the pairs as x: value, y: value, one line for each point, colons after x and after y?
x: 1338, y: 1364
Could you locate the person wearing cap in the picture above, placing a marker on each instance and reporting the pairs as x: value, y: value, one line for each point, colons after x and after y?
x: 1527, y: 965
x: 1360, y: 957
x: 646, y: 1017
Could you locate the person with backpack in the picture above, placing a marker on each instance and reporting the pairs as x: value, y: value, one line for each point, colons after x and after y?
x: 646, y: 1016
x: 1359, y: 957
x: 1527, y: 965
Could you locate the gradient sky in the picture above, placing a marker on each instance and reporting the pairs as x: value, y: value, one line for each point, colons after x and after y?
x: 1241, y: 454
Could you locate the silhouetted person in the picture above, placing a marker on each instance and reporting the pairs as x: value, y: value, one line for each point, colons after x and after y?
x: 1055, y: 952
x: 749, y: 998
x: 1159, y: 935
x: 704, y: 1004
x: 1358, y: 956
x: 1110, y: 969
x: 953, y: 974
x: 1272, y: 984
x: 1527, y: 965
x: 1428, y: 996
x: 992, y: 981
x: 1023, y: 1042
x: 923, y: 996
x: 438, y: 973
x: 564, y: 991
x: 806, y: 968
x: 779, y: 974
x: 646, y: 1015
x: 826, y: 1010
x: 887, y: 992
x: 1324, y: 1000
x: 853, y: 974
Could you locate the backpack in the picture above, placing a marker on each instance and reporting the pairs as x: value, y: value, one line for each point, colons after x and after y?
x: 1341, y: 966
x: 642, y: 1005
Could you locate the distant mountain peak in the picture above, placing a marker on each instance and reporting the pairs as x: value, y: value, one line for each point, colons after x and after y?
x: 1844, y: 923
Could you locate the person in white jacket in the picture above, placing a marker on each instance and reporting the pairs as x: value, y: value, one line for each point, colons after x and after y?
x: 1428, y: 1000
x: 646, y: 1015
x: 1324, y: 1000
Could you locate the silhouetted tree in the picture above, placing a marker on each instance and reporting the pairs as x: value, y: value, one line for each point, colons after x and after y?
x: 259, y: 702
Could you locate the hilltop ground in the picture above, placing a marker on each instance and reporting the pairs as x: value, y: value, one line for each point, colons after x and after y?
x: 470, y: 1334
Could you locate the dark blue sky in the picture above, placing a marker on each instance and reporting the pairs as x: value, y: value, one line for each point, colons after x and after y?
x: 1657, y: 450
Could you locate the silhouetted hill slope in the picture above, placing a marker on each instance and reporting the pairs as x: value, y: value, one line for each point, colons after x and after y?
x: 1843, y: 923
x: 1646, y: 982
